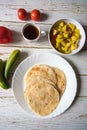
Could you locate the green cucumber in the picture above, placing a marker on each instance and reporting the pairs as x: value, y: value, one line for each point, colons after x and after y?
x: 3, y: 83
x: 10, y: 61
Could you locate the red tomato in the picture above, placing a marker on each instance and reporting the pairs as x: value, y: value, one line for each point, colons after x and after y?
x: 3, y: 31
x: 22, y: 14
x: 35, y: 15
x: 4, y: 40
x: 5, y: 35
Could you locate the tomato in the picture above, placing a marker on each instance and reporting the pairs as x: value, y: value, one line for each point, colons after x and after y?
x: 22, y: 14
x: 5, y: 35
x: 4, y: 40
x: 3, y: 31
x: 35, y: 15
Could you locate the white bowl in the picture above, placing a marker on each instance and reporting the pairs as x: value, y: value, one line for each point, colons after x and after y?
x: 82, y: 33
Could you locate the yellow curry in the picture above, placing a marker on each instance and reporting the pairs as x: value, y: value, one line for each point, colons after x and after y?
x: 65, y: 37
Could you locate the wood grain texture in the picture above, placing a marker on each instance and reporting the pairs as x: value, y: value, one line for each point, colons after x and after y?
x: 50, y: 8
x: 20, y: 42
x: 74, y: 117
x: 12, y: 116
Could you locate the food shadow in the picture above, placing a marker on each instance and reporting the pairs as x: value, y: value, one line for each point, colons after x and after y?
x: 17, y: 36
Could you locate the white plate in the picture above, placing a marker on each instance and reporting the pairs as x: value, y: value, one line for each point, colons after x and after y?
x: 52, y: 60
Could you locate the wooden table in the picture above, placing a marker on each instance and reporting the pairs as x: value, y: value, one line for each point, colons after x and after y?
x: 12, y: 117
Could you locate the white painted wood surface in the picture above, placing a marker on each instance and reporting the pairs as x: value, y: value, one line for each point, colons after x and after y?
x: 12, y: 117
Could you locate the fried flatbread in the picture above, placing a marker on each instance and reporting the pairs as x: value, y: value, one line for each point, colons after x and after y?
x: 44, y: 85
x: 41, y: 96
x: 61, y: 80
x: 32, y: 80
x: 43, y: 70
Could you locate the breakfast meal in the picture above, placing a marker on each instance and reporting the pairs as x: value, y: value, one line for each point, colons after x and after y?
x: 43, y: 87
x: 65, y: 37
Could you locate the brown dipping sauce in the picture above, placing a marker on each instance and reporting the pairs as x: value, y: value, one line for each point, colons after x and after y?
x: 31, y: 32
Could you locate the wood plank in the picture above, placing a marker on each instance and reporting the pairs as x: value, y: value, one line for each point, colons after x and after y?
x: 18, y: 40
x: 73, y: 118
x: 49, y: 10
x: 81, y: 87
x: 49, y: 4
x: 78, y: 61
x: 79, y: 67
x: 47, y: 16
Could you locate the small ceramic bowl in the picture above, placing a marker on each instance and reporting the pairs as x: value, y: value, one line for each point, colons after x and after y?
x: 81, y: 41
